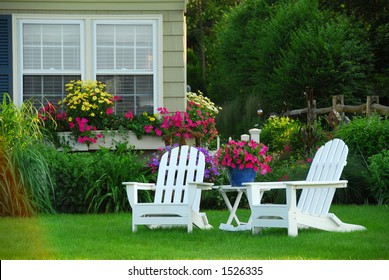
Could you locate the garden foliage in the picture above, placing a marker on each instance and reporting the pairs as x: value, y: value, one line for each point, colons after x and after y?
x: 25, y: 184
x: 378, y: 176
x: 275, y: 50
x: 92, y: 182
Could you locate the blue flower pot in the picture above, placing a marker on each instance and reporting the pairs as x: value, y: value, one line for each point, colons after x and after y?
x: 239, y: 176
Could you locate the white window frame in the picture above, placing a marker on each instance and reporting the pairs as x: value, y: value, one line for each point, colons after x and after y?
x: 88, y: 53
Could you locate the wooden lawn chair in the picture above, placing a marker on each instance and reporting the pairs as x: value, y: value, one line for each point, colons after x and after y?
x: 312, y: 209
x: 177, y: 192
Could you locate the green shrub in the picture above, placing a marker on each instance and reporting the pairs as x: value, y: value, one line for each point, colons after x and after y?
x: 92, y: 182
x: 279, y: 132
x: 365, y: 136
x: 357, y: 191
x: 378, y: 176
x: 275, y: 49
x: 107, y: 193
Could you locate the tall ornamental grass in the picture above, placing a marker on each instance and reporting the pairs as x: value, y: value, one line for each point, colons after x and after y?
x: 24, y: 174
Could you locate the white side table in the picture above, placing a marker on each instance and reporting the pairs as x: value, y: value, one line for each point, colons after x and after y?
x: 224, y: 189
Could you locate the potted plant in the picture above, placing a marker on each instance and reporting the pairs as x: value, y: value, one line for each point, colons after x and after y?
x: 243, y: 159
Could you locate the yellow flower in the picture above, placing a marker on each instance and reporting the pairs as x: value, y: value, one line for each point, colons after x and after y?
x: 70, y: 119
x: 94, y: 98
x: 92, y: 114
x: 152, y: 119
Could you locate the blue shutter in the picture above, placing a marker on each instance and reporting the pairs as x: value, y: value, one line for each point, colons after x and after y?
x: 5, y: 55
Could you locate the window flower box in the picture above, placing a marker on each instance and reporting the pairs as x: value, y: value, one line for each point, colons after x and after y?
x: 109, y: 140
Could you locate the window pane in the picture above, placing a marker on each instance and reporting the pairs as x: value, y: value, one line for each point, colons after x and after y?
x: 136, y: 92
x: 52, y: 35
x: 32, y: 58
x: 105, y: 58
x: 42, y: 89
x: 51, y: 46
x: 52, y: 58
x: 124, y: 47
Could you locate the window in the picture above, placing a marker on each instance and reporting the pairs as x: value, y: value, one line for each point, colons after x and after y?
x: 125, y: 62
x: 119, y: 53
x: 51, y: 56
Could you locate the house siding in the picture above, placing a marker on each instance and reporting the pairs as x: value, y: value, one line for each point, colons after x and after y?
x: 174, y: 32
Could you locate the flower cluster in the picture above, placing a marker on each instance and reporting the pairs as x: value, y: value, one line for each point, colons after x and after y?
x: 53, y: 120
x: 200, y: 115
x: 86, y: 105
x: 87, y: 99
x: 206, y: 106
x: 198, y: 121
x: 211, y: 170
x: 244, y: 154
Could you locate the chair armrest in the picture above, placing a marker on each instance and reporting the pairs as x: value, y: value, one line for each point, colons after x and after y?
x: 132, y: 190
x: 140, y: 186
x: 202, y: 186
x: 317, y: 184
x: 266, y: 186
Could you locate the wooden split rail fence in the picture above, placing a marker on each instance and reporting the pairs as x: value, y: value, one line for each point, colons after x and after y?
x: 338, y: 108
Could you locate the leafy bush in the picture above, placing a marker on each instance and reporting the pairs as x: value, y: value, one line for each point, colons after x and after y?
x: 279, y: 133
x: 378, y: 176
x: 365, y: 136
x: 92, y: 182
x: 275, y: 50
x: 357, y: 191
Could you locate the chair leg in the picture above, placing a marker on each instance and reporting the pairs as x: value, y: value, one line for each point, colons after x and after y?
x: 292, y: 226
x: 134, y: 228
x: 256, y: 230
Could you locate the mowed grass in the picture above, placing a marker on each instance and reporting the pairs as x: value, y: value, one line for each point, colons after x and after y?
x: 109, y: 237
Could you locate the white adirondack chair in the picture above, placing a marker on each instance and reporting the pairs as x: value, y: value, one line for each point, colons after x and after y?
x: 177, y: 192
x: 315, y: 200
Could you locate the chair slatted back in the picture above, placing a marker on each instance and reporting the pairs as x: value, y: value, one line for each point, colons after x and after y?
x: 327, y: 165
x: 178, y: 167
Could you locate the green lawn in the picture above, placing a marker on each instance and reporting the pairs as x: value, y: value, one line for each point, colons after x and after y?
x: 109, y: 237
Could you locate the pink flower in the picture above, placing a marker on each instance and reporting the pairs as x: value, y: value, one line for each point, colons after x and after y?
x: 158, y: 132
x: 109, y: 111
x: 263, y: 151
x: 129, y: 115
x: 163, y: 111
x: 148, y: 128
x: 309, y: 160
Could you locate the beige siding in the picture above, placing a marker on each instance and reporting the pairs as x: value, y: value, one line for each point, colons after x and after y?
x: 174, y: 32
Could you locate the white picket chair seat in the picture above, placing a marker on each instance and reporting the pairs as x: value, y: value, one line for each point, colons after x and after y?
x: 312, y: 209
x: 177, y: 192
